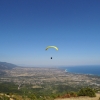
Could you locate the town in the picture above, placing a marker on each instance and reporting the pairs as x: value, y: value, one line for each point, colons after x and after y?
x: 38, y: 76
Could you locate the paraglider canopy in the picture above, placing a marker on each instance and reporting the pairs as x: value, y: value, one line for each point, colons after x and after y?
x: 51, y: 47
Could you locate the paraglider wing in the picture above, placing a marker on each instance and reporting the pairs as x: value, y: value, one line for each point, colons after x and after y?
x: 51, y: 47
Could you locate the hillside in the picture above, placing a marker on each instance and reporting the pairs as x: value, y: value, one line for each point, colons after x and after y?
x: 19, y: 97
x: 5, y: 65
x: 82, y: 98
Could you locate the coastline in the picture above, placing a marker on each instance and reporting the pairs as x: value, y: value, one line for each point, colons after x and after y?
x: 87, y: 70
x: 82, y: 73
x: 66, y: 70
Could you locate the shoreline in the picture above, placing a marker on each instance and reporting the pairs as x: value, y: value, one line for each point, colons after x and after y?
x: 83, y: 73
x: 66, y: 70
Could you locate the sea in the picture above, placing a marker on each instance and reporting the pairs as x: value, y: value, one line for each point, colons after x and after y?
x: 89, y: 69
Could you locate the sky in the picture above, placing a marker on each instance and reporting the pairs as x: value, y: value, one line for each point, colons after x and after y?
x: 27, y: 27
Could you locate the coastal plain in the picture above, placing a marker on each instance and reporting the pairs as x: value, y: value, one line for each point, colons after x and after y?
x: 40, y: 75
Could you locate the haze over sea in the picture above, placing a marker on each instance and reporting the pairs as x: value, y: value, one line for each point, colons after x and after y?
x: 89, y: 69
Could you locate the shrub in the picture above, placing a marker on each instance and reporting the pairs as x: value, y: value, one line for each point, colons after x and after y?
x: 86, y: 92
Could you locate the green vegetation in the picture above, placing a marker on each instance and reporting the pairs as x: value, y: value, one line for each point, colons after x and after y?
x: 8, y: 87
x: 46, y: 92
x: 86, y: 92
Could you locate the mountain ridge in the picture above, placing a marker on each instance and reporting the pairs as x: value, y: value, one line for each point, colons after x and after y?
x: 7, y: 66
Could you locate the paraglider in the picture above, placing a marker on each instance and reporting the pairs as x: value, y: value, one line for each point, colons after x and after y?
x: 51, y: 47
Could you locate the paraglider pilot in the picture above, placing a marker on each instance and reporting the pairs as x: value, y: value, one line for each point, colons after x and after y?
x: 51, y: 57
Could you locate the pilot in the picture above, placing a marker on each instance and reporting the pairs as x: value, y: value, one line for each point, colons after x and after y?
x: 51, y: 57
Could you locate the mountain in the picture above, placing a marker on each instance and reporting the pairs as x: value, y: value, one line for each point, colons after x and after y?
x: 6, y: 66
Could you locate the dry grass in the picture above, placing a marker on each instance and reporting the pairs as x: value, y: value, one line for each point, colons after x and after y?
x: 82, y: 98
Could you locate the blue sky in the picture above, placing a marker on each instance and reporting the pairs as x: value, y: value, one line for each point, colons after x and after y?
x: 27, y: 27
